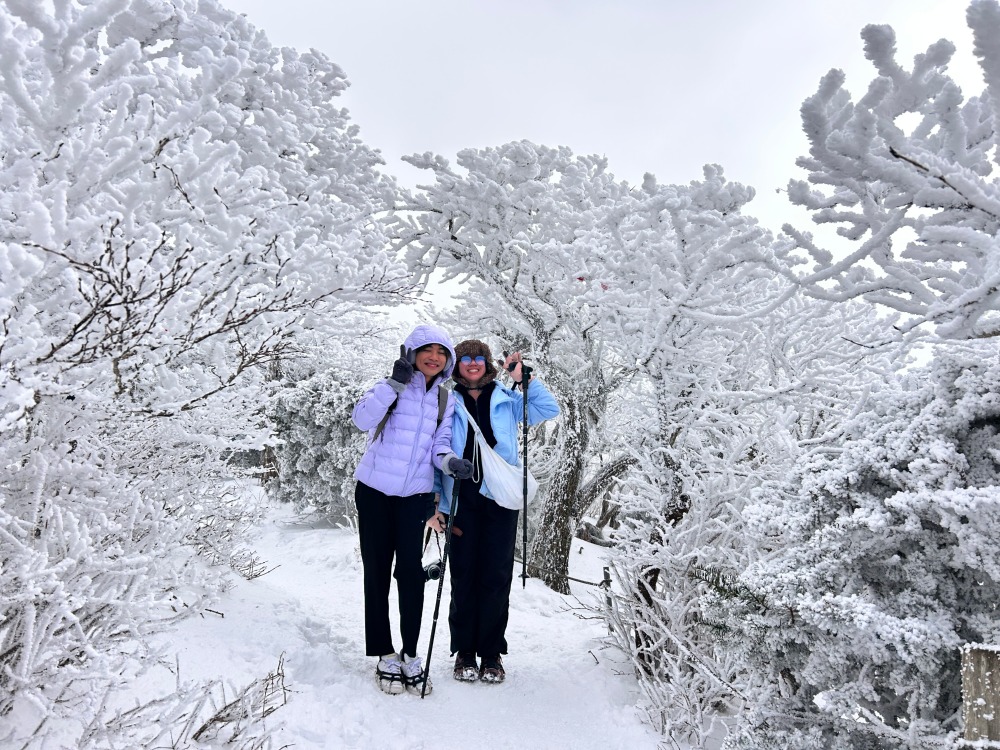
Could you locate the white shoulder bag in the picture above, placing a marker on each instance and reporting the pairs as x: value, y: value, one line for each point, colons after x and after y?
x: 505, y: 482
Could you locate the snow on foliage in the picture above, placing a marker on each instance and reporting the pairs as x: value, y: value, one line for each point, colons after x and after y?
x: 318, y: 446
x: 740, y: 377
x: 877, y: 564
x: 768, y: 403
x: 315, y: 446
x: 178, y: 200
x: 906, y: 177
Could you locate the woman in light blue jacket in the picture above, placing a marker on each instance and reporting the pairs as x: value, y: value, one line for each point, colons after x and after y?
x: 408, y: 419
x: 484, y: 533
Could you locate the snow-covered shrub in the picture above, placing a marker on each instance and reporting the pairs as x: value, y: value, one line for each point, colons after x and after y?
x: 877, y: 563
x: 206, y: 714
x: 755, y: 402
x: 318, y: 446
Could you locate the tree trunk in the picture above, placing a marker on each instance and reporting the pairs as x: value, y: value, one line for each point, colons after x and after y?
x: 599, y: 485
x: 647, y: 650
x: 549, y: 556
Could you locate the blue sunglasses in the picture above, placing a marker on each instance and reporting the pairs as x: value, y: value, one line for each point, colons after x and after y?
x: 467, y: 360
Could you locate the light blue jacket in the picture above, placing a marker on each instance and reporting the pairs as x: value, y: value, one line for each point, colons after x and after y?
x: 506, y: 412
x: 402, y: 460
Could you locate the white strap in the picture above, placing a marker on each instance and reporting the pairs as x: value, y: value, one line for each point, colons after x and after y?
x: 475, y: 444
x: 475, y: 425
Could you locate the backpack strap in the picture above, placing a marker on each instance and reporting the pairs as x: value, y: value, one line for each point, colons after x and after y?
x: 381, y: 425
x: 442, y: 405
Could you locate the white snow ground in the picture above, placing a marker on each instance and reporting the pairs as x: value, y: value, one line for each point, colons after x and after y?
x: 565, y: 686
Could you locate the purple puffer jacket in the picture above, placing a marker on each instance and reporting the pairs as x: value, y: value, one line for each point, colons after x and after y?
x: 401, y: 461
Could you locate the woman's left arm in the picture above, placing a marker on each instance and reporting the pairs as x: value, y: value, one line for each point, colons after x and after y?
x: 541, y: 403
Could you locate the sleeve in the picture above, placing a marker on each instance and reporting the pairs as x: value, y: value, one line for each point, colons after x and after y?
x: 443, y: 487
x: 442, y: 436
x: 373, y: 405
x: 444, y: 503
x: 541, y: 403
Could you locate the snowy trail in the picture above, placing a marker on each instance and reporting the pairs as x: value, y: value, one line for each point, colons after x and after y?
x: 564, y: 688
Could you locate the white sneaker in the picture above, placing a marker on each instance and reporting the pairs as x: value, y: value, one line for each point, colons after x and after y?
x: 389, y: 676
x: 414, y: 676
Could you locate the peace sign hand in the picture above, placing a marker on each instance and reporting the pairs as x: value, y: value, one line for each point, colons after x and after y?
x: 402, y: 368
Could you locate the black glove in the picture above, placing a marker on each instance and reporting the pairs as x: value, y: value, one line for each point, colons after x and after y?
x: 459, y: 468
x: 402, y: 368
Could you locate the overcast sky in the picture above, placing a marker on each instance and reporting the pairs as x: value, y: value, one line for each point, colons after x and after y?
x: 661, y: 86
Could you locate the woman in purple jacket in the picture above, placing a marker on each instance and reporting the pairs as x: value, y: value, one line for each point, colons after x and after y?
x: 409, y: 435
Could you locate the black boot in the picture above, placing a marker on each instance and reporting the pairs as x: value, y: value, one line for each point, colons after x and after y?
x: 492, y: 669
x: 466, y: 668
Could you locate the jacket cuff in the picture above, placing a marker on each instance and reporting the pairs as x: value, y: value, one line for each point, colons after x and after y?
x: 444, y: 463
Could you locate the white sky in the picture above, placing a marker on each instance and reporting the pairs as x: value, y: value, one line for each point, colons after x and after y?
x: 661, y: 86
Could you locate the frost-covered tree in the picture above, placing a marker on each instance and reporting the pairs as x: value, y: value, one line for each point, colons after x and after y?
x: 513, y: 218
x: 677, y: 282
x: 877, y: 562
x: 907, y: 175
x: 730, y: 364
x: 789, y: 391
x: 178, y: 199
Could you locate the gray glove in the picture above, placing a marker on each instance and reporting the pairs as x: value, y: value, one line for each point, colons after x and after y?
x: 402, y: 368
x: 459, y: 468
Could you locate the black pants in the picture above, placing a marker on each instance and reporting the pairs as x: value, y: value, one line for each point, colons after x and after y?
x: 482, y: 568
x: 390, y: 527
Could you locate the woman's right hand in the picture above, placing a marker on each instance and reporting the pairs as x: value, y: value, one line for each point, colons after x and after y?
x: 437, y: 522
x: 512, y: 364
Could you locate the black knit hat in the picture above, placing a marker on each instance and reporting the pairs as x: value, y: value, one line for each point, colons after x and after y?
x: 474, y: 348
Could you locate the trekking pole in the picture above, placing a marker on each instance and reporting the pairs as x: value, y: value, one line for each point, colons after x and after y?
x: 444, y: 569
x: 525, y: 377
